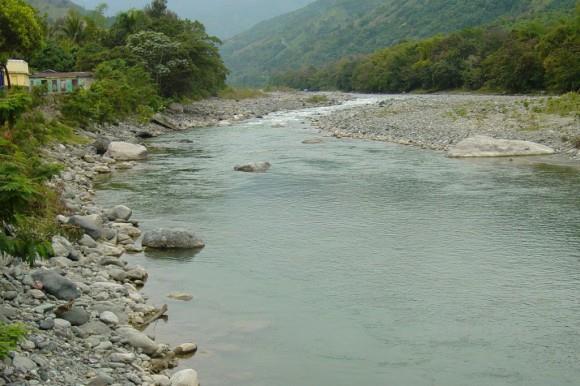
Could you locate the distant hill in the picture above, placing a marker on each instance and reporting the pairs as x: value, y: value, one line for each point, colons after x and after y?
x: 327, y: 30
x: 54, y: 9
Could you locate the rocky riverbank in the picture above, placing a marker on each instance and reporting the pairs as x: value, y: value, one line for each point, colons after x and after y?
x: 439, y: 122
x: 85, y: 314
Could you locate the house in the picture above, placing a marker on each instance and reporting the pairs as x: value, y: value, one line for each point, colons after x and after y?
x: 61, y: 82
x: 19, y: 74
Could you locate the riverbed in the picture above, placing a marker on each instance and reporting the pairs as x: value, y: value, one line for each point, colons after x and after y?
x: 355, y: 262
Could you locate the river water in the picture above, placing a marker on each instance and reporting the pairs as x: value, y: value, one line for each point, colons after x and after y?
x: 360, y: 263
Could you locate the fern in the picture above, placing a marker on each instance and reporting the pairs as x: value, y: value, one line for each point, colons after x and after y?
x: 10, y: 336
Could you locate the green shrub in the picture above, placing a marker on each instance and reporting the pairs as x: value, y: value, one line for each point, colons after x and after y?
x: 120, y: 91
x: 316, y: 99
x: 240, y: 93
x: 567, y: 104
x: 10, y: 336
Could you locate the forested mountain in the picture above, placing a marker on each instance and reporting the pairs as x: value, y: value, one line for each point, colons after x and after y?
x: 327, y: 30
x: 54, y: 9
x: 223, y: 18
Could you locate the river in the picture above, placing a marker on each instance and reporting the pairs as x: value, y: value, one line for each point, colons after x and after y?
x: 360, y: 263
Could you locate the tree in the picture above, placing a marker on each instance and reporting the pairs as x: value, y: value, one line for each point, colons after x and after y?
x: 74, y: 27
x: 21, y: 31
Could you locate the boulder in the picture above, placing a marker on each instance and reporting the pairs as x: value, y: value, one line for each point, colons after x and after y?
x: 61, y: 246
x: 138, y: 340
x: 254, y: 167
x: 101, y: 144
x: 92, y: 225
x: 185, y: 378
x: 171, y: 239
x: 119, y: 212
x: 94, y: 328
x: 124, y: 151
x: 23, y: 364
x: 484, y: 146
x: 176, y: 108
x: 56, y: 285
x: 163, y: 121
x: 75, y: 316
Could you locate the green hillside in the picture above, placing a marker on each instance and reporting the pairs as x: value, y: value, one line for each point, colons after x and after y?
x: 54, y: 9
x: 330, y: 29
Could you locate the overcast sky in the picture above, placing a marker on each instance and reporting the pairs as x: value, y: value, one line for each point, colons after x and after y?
x: 223, y: 18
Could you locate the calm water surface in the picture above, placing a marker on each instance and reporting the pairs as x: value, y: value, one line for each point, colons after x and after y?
x: 360, y: 263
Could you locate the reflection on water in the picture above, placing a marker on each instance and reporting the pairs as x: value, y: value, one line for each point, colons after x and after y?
x: 361, y: 263
x: 176, y: 255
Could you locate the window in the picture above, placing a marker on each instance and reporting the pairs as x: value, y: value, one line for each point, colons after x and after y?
x: 54, y: 86
x: 75, y: 84
x: 63, y: 85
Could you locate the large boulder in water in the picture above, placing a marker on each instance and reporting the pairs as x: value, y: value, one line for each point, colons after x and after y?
x: 171, y: 239
x: 56, y: 285
x: 255, y: 167
x: 484, y: 146
x: 125, y: 151
x: 185, y: 378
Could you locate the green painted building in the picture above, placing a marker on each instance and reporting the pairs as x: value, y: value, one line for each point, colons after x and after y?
x: 61, y: 82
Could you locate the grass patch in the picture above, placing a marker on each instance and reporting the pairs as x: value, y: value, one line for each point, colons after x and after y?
x: 317, y: 99
x: 10, y: 336
x: 565, y: 105
x: 240, y: 93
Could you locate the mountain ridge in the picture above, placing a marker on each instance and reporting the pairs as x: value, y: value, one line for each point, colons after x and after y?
x: 327, y: 30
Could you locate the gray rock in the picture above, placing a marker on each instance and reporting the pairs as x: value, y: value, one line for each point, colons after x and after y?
x: 163, y: 121
x: 122, y: 357
x: 94, y: 328
x: 185, y: 378
x: 61, y: 246
x: 46, y: 324
x: 23, y: 364
x: 61, y: 324
x: 91, y: 224
x: 171, y: 239
x: 9, y: 295
x: 161, y: 380
x: 124, y: 151
x: 109, y: 317
x: 484, y: 146
x: 138, y: 340
x: 76, y: 316
x: 313, y: 141
x: 119, y: 212
x: 101, y: 144
x: 56, y: 285
x: 180, y: 296
x: 255, y: 167
x: 185, y: 349
x: 102, y: 379
x: 88, y: 241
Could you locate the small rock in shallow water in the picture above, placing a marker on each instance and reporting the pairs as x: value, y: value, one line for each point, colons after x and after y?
x: 180, y: 296
x: 185, y: 349
x: 256, y: 167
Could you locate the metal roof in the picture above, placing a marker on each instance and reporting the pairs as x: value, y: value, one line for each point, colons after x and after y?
x: 50, y: 74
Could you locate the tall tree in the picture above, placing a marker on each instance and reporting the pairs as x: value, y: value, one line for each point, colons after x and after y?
x: 21, y: 31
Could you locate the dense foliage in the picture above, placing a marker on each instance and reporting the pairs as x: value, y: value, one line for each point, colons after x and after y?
x: 328, y: 30
x: 139, y: 61
x: 538, y: 54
